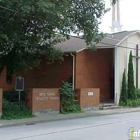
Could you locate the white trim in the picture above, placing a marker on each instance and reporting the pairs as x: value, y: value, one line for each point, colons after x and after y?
x: 115, y: 77
x: 107, y: 47
x: 81, y: 50
x: 127, y: 37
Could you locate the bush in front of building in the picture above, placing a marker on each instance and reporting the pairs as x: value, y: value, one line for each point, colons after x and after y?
x: 129, y: 94
x: 12, y: 108
x: 133, y: 103
x: 68, y: 103
x: 15, y: 110
x: 137, y: 92
x: 131, y: 87
x: 130, y: 102
x: 124, y: 96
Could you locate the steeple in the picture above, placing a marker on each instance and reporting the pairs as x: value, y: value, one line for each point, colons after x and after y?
x: 116, y: 18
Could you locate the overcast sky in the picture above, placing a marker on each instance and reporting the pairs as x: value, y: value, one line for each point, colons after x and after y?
x: 130, y: 16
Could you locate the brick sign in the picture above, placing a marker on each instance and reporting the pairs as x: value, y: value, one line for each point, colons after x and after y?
x: 43, y: 99
x: 46, y: 97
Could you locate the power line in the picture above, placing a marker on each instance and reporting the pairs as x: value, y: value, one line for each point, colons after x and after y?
x: 111, y: 39
x: 118, y: 46
x: 121, y: 40
x: 7, y: 9
x: 112, y: 44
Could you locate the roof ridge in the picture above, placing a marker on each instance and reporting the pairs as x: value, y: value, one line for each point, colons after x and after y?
x: 79, y: 37
x: 123, y: 32
x: 119, y: 32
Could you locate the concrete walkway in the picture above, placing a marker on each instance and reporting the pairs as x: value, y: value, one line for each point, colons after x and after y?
x: 56, y: 117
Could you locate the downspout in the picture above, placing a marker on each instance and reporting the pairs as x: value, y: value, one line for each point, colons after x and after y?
x: 73, y: 70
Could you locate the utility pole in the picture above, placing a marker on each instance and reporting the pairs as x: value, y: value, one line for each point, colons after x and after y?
x: 137, y: 65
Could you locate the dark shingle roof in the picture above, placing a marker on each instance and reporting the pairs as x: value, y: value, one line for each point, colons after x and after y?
x: 76, y: 44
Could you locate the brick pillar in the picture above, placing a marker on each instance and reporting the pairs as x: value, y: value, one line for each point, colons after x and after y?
x: 88, y: 98
x: 41, y: 100
x: 29, y: 98
x: 1, y: 93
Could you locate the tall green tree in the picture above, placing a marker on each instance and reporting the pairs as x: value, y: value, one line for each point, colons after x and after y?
x: 124, y: 96
x: 28, y: 28
x: 131, y: 87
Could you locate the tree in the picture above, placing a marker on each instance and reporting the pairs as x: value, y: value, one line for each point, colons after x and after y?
x: 124, y: 96
x: 131, y: 87
x: 28, y: 28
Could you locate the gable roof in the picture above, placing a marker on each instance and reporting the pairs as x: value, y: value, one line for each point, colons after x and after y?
x: 76, y: 44
x: 115, y: 39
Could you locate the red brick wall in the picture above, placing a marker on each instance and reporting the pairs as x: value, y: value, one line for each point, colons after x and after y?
x: 3, y: 83
x: 3, y: 79
x: 87, y: 101
x: 46, y: 76
x: 94, y: 69
x: 43, y: 99
x: 1, y: 91
x: 29, y: 98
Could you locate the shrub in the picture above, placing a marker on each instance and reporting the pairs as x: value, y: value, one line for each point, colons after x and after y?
x: 121, y: 103
x: 137, y: 92
x: 132, y: 103
x: 15, y: 110
x: 131, y: 87
x: 67, y: 99
x: 124, y: 96
x: 66, y: 89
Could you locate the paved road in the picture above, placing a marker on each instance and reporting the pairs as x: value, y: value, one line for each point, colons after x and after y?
x: 110, y: 127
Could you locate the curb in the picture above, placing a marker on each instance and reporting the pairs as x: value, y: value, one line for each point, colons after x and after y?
x: 33, y: 122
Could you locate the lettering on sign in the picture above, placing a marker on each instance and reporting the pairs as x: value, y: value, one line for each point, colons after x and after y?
x: 47, y: 97
x: 41, y: 98
x: 90, y: 93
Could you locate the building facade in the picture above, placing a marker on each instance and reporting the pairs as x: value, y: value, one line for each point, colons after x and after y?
x: 86, y: 68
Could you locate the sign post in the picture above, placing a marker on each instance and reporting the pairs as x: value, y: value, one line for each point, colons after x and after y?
x: 19, y: 85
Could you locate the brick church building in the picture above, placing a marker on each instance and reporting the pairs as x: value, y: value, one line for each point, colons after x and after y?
x: 86, y: 68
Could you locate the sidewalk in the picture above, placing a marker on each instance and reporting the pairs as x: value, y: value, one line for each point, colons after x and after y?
x: 56, y: 117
